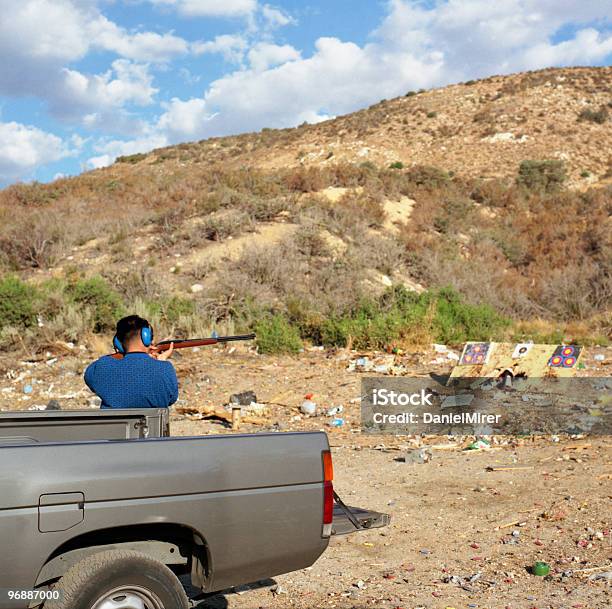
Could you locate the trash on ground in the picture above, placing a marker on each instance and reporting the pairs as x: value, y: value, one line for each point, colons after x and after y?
x: 479, y: 444
x: 453, y: 401
x: 541, y: 569
x: 308, y: 407
x: 418, y: 455
x: 244, y: 399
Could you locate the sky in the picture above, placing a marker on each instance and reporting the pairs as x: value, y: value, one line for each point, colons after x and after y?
x: 84, y: 81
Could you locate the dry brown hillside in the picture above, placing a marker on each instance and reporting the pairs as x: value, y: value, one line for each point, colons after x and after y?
x: 479, y: 128
x: 382, y: 227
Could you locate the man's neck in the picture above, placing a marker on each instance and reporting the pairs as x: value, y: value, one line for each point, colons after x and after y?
x: 136, y: 348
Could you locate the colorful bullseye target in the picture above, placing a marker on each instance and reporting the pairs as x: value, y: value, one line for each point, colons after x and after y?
x: 564, y: 356
x: 475, y: 354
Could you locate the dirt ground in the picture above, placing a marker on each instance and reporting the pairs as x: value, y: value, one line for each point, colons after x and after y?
x: 460, y: 536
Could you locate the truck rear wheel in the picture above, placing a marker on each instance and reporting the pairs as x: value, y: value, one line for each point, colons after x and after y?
x: 119, y: 579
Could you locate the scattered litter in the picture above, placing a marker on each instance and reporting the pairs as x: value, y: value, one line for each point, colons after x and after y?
x: 277, y: 589
x: 53, y: 405
x: 452, y: 401
x: 337, y: 422
x: 244, y: 399
x: 94, y: 402
x: 418, y: 455
x: 541, y: 569
x: 360, y: 584
x: 332, y: 412
x: 607, y: 575
x: 308, y: 407
x: 600, y: 357
x: 479, y: 444
x: 27, y: 389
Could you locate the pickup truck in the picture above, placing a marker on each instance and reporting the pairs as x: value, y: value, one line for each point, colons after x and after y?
x: 105, y: 510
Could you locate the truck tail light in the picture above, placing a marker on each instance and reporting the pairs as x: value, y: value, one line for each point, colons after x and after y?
x: 328, y: 493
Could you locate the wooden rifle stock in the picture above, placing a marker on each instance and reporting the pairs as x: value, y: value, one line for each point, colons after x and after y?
x: 185, y: 343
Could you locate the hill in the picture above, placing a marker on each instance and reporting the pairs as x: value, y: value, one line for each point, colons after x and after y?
x: 479, y: 128
x: 474, y: 211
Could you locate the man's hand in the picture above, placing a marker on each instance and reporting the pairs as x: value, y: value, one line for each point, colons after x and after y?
x: 163, y: 355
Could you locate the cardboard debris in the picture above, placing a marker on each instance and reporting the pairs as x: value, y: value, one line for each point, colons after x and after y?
x: 219, y: 414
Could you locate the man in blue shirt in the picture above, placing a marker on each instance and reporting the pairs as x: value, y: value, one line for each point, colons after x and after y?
x: 142, y: 378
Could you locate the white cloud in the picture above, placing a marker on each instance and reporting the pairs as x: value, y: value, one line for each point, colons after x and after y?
x: 231, y: 46
x: 23, y: 148
x: 265, y: 55
x: 184, y: 120
x: 98, y: 101
x: 43, y: 37
x: 140, y: 46
x: 414, y: 47
x: 275, y: 17
x: 211, y: 8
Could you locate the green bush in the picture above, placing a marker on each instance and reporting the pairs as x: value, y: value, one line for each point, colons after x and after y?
x: 456, y: 321
x: 276, y: 335
x: 105, y: 304
x: 541, y: 176
x: 398, y: 313
x: 17, y: 303
x: 396, y: 165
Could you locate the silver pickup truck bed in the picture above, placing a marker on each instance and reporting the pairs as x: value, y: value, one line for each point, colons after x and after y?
x: 75, y: 425
x: 236, y: 508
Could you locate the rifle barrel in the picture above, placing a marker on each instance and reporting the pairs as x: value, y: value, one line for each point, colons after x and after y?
x: 182, y: 343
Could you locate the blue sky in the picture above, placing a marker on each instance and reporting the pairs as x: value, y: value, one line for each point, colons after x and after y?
x: 83, y: 81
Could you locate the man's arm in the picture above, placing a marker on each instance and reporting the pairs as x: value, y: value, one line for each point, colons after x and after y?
x: 90, y: 374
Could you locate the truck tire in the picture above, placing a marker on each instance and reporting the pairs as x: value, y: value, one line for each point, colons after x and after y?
x: 119, y: 579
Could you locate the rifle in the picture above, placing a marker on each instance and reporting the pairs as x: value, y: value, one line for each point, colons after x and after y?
x: 185, y: 343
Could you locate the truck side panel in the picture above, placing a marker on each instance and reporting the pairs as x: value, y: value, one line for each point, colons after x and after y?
x: 255, y: 499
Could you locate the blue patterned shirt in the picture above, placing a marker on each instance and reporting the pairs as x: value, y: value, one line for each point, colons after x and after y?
x: 135, y: 381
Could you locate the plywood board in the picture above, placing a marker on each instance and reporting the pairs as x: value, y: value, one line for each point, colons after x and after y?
x: 530, y: 360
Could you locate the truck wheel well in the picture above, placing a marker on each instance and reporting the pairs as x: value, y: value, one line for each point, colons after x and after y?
x: 178, y: 546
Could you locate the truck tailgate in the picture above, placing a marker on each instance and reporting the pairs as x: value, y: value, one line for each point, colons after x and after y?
x: 367, y: 519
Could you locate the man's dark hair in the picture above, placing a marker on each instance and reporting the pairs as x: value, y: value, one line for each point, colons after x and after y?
x: 129, y: 327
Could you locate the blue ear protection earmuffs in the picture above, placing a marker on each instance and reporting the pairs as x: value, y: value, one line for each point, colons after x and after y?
x: 146, y: 336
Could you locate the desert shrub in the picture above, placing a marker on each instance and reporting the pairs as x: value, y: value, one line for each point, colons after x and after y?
x: 221, y: 225
x: 34, y: 194
x: 174, y: 308
x: 304, y: 179
x: 363, y: 207
x: 17, y: 303
x: 32, y: 240
x: 264, y: 209
x: 428, y: 177
x: 276, y: 335
x: 310, y: 242
x: 432, y: 114
x: 541, y: 176
x: 396, y: 165
x: 594, y: 116
x: 131, y: 158
x: 105, y: 304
